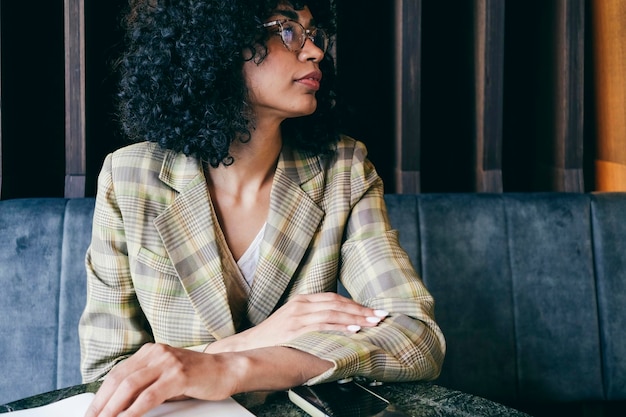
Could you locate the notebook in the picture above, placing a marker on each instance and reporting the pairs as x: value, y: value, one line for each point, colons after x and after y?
x: 77, y: 405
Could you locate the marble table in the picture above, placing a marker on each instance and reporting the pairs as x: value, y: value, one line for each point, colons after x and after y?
x: 417, y: 399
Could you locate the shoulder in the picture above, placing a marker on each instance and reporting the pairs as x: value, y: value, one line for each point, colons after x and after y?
x: 351, y: 157
x: 350, y: 148
x: 147, y: 168
x: 350, y: 169
x: 142, y: 154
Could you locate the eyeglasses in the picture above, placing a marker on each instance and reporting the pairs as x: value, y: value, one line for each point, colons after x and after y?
x: 294, y: 35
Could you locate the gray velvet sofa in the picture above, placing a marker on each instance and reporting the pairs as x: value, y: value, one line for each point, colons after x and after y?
x: 530, y: 292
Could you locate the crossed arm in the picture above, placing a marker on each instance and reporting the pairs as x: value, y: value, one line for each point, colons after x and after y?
x: 248, y: 361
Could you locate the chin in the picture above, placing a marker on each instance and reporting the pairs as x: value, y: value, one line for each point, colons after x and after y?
x: 310, y: 109
x: 302, y: 108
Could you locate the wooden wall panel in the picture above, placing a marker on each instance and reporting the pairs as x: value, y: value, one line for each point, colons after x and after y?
x: 568, y: 111
x: 609, y: 34
x: 75, y: 139
x: 408, y: 100
x: 465, y: 117
x: 1, y: 100
x: 488, y: 73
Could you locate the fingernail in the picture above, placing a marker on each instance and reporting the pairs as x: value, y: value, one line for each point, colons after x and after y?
x: 374, y: 320
x: 354, y: 328
x: 381, y: 313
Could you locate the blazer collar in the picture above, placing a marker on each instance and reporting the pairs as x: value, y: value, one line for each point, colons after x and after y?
x: 293, y: 218
x: 297, y: 167
x: 187, y: 231
x: 178, y: 170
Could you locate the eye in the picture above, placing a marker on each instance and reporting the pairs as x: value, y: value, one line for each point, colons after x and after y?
x: 289, y: 32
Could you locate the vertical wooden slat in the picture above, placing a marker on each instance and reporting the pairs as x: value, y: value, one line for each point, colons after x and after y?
x: 609, y: 32
x: 0, y: 100
x: 489, y: 70
x: 75, y: 165
x: 569, y: 50
x: 408, y: 63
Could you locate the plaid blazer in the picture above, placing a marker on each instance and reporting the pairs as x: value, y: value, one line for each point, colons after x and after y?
x: 154, y: 271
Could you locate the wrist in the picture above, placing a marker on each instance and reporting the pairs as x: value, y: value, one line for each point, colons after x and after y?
x: 279, y: 367
x: 265, y: 369
x: 234, y: 343
x: 232, y: 369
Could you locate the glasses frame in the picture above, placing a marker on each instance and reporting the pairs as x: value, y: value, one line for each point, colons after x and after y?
x: 308, y: 34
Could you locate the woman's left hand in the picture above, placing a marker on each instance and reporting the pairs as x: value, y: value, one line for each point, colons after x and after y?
x: 302, y: 314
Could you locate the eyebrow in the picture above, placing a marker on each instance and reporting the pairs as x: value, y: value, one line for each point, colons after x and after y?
x: 290, y: 14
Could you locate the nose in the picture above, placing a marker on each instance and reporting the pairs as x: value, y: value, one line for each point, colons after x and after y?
x: 310, y: 51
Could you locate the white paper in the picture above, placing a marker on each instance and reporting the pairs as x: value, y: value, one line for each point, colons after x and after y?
x: 199, y: 408
x: 77, y: 405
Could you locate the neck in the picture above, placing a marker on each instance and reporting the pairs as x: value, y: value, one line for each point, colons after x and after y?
x: 254, y: 165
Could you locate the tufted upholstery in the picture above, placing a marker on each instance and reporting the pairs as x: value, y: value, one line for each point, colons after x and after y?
x: 530, y: 291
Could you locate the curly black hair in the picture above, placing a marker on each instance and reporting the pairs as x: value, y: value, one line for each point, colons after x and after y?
x: 181, y: 79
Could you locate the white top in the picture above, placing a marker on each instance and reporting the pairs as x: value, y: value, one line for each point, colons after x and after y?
x: 250, y: 259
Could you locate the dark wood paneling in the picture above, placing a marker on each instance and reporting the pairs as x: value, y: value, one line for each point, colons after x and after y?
x: 0, y: 100
x: 569, y: 53
x: 448, y: 97
x: 75, y: 139
x: 488, y: 73
x: 408, y: 99
x: 544, y: 101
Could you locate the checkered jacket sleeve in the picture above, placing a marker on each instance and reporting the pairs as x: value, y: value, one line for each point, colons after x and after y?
x: 407, y: 345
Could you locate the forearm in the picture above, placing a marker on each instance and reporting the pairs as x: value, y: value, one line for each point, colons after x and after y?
x: 271, y: 368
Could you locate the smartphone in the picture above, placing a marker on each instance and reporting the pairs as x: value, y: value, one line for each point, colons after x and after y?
x: 346, y: 398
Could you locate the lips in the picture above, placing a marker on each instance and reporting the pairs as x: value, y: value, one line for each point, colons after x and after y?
x: 311, y: 80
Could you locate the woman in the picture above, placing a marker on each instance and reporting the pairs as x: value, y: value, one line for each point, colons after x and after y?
x: 219, y: 238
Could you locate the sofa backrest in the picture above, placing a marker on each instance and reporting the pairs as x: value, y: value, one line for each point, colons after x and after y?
x: 42, y: 293
x: 530, y: 291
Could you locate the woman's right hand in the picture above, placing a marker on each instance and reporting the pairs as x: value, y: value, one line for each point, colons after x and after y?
x: 302, y: 314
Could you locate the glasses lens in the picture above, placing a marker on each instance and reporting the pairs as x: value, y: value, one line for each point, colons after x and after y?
x: 320, y: 39
x: 293, y: 35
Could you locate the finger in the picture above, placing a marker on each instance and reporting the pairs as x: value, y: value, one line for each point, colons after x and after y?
x: 323, y: 296
x: 106, y: 391
x: 321, y: 300
x: 337, y: 317
x: 349, y: 329
x: 151, y: 396
x: 115, y: 377
x: 341, y: 309
x: 128, y: 391
x: 119, y: 389
x: 317, y: 327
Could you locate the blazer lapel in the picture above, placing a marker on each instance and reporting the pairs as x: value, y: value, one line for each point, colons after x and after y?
x: 292, y: 221
x: 188, y: 233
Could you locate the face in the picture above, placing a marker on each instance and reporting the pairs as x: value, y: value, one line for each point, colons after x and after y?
x: 284, y: 84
